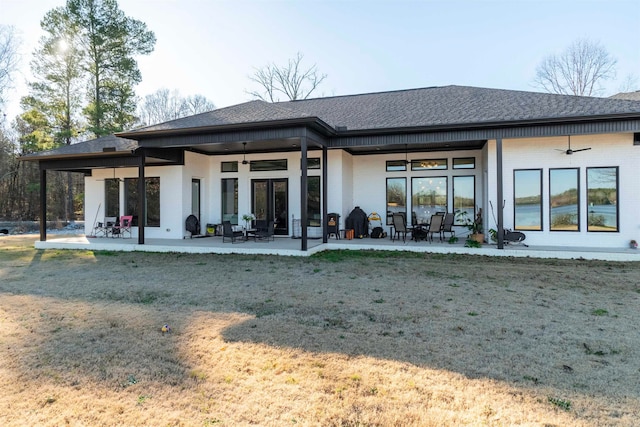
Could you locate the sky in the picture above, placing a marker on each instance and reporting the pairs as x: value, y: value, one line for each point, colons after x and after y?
x: 212, y: 47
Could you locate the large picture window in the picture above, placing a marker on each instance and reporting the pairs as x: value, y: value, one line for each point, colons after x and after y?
x: 602, y: 199
x: 396, y: 197
x: 564, y: 205
x: 230, y: 200
x: 428, y: 196
x: 527, y: 199
x: 112, y: 197
x: 152, y: 208
x: 313, y: 202
x: 464, y: 195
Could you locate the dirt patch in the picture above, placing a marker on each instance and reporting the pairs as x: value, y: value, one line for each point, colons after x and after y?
x: 342, y: 338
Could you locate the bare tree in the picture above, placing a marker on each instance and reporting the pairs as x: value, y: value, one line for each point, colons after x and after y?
x: 9, y: 58
x: 292, y: 80
x: 579, y: 70
x: 164, y: 105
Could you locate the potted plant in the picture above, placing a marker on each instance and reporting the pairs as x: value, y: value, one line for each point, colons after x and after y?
x: 247, y: 218
x: 475, y: 227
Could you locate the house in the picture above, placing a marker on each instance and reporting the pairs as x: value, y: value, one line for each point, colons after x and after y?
x: 561, y: 168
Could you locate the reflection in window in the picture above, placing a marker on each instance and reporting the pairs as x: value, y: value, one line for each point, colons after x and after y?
x: 527, y: 199
x: 230, y: 200
x: 464, y: 163
x: 313, y: 163
x: 396, y: 165
x: 152, y: 189
x: 313, y: 201
x: 564, y: 200
x: 268, y: 165
x: 428, y: 164
x: 112, y: 197
x: 429, y: 195
x: 464, y: 195
x: 602, y: 199
x: 229, y: 166
x: 396, y: 197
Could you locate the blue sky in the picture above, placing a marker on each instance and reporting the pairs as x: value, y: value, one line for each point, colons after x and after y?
x: 211, y: 47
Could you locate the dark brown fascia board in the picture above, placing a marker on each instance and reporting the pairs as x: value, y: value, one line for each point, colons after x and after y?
x: 488, y: 125
x: 41, y: 158
x: 314, y: 122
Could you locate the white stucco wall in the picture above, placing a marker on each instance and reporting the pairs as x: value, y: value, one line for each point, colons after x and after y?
x: 615, y: 150
x: 369, y: 178
x: 361, y: 181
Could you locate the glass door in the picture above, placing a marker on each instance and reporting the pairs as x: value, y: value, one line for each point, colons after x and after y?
x: 269, y: 202
x: 195, y: 198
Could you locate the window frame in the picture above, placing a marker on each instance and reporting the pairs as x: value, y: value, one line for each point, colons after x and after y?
x: 617, y: 202
x: 515, y: 224
x: 389, y: 220
x: 578, y: 219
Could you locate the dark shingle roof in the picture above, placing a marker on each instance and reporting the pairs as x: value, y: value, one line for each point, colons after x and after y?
x: 634, y: 96
x: 426, y: 107
x: 110, y: 143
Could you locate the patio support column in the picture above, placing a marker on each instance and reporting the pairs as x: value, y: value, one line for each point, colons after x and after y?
x: 324, y: 195
x: 500, y: 193
x: 142, y: 197
x: 304, y: 190
x: 43, y: 205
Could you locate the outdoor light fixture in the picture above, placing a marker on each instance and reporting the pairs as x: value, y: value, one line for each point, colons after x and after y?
x: 244, y: 153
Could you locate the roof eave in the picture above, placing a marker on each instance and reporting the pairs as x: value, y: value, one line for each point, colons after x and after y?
x: 489, y: 125
x: 314, y: 122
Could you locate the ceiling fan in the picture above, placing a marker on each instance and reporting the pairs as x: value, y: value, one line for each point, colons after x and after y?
x: 569, y: 151
x: 244, y: 154
x: 406, y: 160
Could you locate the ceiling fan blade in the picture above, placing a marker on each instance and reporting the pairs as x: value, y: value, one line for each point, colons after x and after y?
x: 581, y: 149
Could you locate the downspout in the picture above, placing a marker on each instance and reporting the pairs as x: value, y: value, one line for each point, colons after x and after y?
x: 500, y: 193
x: 43, y: 204
x: 304, y: 191
x: 142, y: 197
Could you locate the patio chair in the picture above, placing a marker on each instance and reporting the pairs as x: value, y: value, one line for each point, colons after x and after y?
x: 123, y: 228
x: 400, y: 227
x: 435, y: 226
x: 228, y: 233
x: 447, y: 225
x: 103, y: 229
x: 266, y: 234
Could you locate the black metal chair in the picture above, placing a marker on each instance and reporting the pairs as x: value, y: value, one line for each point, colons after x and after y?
x: 265, y: 234
x: 447, y: 225
x: 435, y: 226
x: 400, y: 227
x: 228, y: 233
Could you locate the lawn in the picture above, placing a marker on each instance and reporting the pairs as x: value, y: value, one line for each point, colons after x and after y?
x: 337, y: 339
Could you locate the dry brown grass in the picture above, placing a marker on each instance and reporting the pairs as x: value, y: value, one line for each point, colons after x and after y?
x: 341, y: 339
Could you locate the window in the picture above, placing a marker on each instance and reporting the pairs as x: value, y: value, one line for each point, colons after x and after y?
x: 396, y: 197
x: 152, y: 189
x: 464, y: 163
x: 428, y: 196
x: 527, y: 199
x: 112, y: 197
x: 268, y: 165
x: 564, y: 205
x: 230, y: 200
x: 396, y: 165
x: 602, y: 199
x: 428, y: 164
x: 229, y: 166
x: 464, y: 195
x: 313, y: 163
x: 313, y: 202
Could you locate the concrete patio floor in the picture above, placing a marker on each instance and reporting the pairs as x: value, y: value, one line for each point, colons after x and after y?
x: 286, y: 246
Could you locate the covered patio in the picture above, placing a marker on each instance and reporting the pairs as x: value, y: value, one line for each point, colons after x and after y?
x: 285, y: 246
